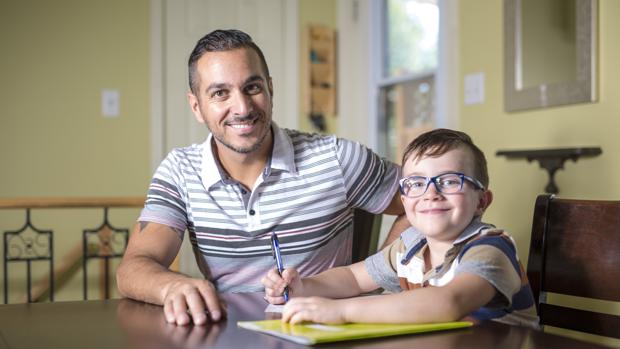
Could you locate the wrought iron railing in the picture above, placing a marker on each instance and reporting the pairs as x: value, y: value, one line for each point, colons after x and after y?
x: 31, y: 244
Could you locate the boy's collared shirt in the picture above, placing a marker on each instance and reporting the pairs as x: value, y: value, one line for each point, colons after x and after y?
x: 481, y: 250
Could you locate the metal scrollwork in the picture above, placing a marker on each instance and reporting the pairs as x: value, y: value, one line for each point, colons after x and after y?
x: 104, y: 242
x: 26, y: 245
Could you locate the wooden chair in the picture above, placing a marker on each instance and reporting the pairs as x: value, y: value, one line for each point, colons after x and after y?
x: 366, y: 227
x: 575, y: 250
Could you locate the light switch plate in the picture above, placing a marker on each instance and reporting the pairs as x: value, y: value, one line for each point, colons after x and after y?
x: 110, y: 103
x: 474, y: 88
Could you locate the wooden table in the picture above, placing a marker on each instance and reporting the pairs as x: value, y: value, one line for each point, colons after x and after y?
x: 128, y: 324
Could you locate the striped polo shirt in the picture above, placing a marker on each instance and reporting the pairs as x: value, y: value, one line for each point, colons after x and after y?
x: 305, y: 194
x: 481, y: 250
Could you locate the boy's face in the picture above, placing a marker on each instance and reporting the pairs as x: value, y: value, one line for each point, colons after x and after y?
x: 438, y: 216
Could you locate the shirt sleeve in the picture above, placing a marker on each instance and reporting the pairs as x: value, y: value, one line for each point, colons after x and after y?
x: 496, y: 264
x: 382, y: 268
x: 165, y: 199
x: 370, y: 181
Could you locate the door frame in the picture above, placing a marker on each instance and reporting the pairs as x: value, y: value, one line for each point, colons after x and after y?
x: 158, y: 73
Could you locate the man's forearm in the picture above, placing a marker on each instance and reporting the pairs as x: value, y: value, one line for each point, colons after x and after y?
x: 144, y: 279
x: 400, y: 224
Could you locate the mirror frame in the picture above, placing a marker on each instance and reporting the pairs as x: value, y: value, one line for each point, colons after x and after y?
x: 581, y: 90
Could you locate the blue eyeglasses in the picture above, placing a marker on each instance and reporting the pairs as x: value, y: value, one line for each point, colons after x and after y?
x: 446, y: 183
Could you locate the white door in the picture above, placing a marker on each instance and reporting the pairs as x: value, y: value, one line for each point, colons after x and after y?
x: 176, y: 27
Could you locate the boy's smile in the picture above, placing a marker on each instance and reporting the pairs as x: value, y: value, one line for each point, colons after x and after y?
x: 442, y: 217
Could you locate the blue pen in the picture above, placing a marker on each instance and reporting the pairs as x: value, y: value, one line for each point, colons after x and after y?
x: 275, y: 250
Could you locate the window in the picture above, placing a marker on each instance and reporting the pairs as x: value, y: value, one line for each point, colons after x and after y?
x: 407, y: 81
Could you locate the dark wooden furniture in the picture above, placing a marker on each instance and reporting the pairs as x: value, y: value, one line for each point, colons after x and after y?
x: 125, y: 323
x: 575, y: 250
x: 551, y: 159
x: 366, y: 229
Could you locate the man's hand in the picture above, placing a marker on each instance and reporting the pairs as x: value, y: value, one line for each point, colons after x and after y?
x: 275, y: 284
x: 190, y: 299
x: 144, y: 275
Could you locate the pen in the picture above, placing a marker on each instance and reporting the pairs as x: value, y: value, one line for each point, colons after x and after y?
x: 275, y: 250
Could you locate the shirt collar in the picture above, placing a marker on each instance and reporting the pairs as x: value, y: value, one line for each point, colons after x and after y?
x: 411, y: 236
x: 415, y: 242
x: 282, y: 158
x: 472, y: 229
x: 283, y: 154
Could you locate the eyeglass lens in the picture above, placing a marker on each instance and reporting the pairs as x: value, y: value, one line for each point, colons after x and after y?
x: 448, y: 183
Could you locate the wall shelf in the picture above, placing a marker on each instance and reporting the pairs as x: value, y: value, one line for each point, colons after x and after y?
x: 551, y: 159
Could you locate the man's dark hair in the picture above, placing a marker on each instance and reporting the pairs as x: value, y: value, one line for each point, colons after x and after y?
x: 218, y: 41
x: 439, y: 141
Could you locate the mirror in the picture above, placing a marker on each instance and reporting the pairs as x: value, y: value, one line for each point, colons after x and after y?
x: 549, y: 53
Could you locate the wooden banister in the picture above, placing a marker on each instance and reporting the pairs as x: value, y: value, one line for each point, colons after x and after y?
x: 71, y: 202
x: 69, y: 264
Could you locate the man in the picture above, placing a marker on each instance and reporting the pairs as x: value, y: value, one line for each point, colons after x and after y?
x: 249, y: 178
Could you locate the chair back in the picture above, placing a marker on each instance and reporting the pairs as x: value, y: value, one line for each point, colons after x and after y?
x: 575, y: 250
x: 366, y: 229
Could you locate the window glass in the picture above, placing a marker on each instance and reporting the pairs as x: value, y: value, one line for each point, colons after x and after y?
x: 409, y: 62
x: 408, y: 110
x: 412, y: 28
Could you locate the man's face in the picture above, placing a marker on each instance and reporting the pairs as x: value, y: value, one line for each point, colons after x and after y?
x: 234, y: 99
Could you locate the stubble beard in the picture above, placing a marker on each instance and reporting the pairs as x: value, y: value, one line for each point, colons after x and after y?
x: 240, y: 150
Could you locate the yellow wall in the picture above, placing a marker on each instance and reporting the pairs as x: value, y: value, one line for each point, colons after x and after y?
x: 321, y: 12
x: 56, y: 58
x: 517, y: 183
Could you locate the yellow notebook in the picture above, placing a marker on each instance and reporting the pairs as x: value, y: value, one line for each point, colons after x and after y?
x: 312, y: 333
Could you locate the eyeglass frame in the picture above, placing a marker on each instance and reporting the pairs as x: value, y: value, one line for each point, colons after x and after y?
x: 477, y: 184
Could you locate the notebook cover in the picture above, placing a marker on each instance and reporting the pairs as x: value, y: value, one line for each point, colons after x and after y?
x: 312, y: 333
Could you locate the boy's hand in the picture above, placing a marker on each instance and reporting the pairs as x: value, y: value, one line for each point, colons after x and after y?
x: 314, y: 309
x: 275, y: 284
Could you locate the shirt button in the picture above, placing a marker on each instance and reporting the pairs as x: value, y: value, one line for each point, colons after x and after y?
x: 243, y: 191
x: 252, y: 212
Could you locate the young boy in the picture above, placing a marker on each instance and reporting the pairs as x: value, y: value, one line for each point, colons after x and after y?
x: 448, y: 265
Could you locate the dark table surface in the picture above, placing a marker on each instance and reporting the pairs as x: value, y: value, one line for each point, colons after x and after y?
x: 123, y: 323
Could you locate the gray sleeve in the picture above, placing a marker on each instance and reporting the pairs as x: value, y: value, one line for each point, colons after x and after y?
x: 370, y: 181
x: 491, y: 264
x: 381, y: 272
x: 164, y: 215
x: 165, y: 202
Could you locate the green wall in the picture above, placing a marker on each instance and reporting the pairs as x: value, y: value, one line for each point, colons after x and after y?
x: 56, y: 58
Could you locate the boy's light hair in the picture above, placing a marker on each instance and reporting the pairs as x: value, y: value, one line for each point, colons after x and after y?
x: 439, y: 141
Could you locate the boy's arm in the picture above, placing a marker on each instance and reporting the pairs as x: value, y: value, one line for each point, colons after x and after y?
x: 341, y: 282
x: 463, y: 295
